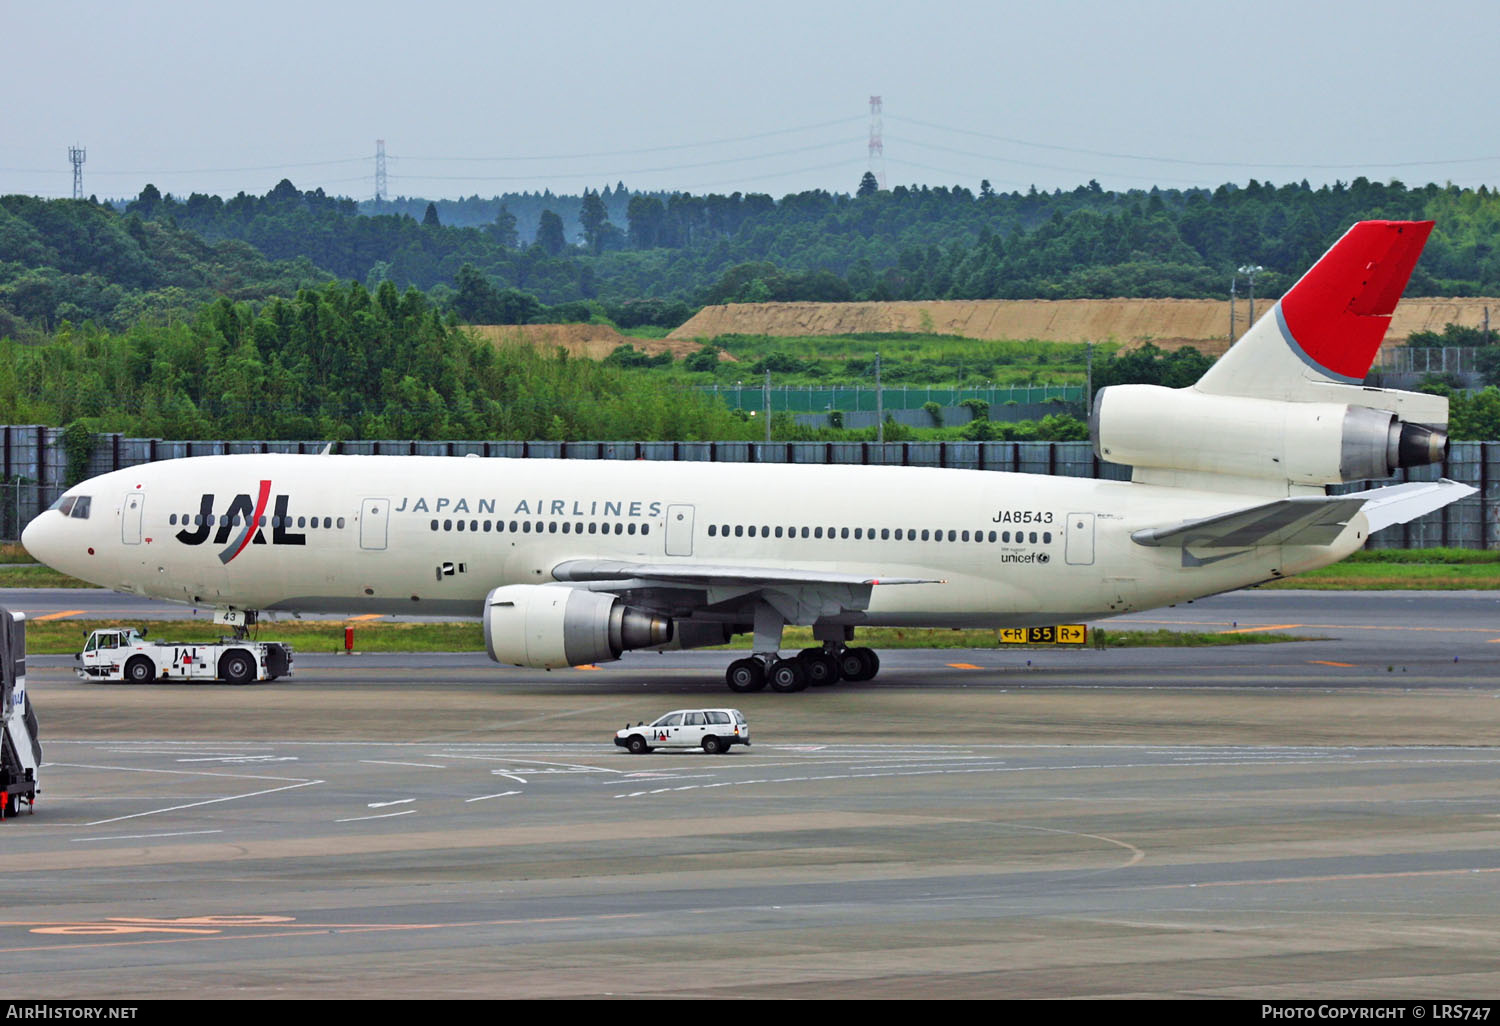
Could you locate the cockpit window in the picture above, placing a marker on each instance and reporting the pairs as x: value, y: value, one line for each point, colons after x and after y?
x: 81, y: 508
x: 64, y: 504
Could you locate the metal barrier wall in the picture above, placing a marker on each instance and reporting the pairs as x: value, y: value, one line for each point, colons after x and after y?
x: 35, y: 468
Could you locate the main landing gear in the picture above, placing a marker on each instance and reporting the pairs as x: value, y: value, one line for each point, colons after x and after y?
x: 828, y: 664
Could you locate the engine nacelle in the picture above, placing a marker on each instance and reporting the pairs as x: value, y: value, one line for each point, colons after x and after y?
x: 556, y: 625
x: 1302, y: 443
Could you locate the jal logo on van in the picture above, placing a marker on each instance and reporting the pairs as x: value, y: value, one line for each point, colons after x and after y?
x: 242, y: 518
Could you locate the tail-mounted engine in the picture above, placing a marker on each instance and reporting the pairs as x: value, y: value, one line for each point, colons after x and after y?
x: 556, y: 625
x: 1301, y: 443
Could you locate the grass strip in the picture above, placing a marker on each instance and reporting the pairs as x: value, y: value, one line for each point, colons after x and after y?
x: 66, y: 637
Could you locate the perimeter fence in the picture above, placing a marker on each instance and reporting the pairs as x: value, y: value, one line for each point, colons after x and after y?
x: 34, y: 468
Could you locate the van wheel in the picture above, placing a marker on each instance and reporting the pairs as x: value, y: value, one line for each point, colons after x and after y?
x: 638, y: 745
x: 712, y: 745
x: 140, y: 671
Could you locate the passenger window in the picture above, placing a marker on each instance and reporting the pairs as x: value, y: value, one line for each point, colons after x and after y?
x: 1033, y: 537
x: 694, y: 720
x: 712, y: 530
x: 804, y: 532
x: 739, y: 530
x: 673, y: 720
x: 631, y: 528
x: 843, y: 532
x: 718, y: 717
x: 460, y: 525
x: 817, y: 532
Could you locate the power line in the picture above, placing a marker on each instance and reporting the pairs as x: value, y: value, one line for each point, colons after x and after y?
x: 1195, y: 163
x: 648, y: 149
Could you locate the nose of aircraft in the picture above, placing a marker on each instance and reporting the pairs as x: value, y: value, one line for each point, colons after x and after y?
x: 39, y: 536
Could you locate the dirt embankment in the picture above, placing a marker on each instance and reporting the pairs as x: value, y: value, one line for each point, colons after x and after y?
x: 1168, y: 323
x: 595, y: 341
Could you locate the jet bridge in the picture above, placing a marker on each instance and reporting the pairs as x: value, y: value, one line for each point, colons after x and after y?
x: 20, y: 750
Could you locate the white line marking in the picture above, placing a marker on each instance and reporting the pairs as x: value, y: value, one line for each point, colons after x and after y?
x: 388, y: 815
x: 382, y: 805
x: 483, y: 797
x: 509, y: 776
x: 137, y: 837
x: 383, y: 762
x: 211, y: 801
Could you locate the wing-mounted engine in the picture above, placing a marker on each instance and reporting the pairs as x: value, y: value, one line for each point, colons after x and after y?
x: 1296, y: 443
x: 553, y: 625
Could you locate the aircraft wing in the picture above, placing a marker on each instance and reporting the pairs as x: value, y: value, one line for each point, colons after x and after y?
x: 1306, y: 519
x: 801, y: 596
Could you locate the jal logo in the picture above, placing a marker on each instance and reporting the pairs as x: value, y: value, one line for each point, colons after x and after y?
x: 244, y: 518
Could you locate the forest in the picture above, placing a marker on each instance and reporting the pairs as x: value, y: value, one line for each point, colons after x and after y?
x: 300, y: 315
x: 649, y: 258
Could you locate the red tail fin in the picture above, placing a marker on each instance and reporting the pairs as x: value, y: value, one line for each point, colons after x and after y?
x: 1338, y: 312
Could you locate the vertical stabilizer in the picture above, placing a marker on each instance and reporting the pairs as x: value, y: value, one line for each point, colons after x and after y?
x: 1329, y: 327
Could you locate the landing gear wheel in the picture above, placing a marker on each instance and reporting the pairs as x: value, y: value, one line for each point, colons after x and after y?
x: 859, y: 664
x: 745, y: 675
x: 820, y: 667
x: 140, y: 671
x: 237, y: 667
x: 787, y: 675
x: 638, y: 745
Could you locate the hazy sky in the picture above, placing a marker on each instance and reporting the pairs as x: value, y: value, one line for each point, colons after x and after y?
x: 770, y: 96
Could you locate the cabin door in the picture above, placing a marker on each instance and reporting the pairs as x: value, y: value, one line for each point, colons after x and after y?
x: 374, y: 519
x: 679, y: 530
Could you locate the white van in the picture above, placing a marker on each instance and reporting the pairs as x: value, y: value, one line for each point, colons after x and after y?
x: 713, y: 730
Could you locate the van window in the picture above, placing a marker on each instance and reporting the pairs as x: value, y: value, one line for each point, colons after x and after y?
x: 714, y: 716
x: 694, y: 719
x: 669, y: 720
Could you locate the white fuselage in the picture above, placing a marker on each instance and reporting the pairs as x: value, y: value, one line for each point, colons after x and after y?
x: 433, y: 535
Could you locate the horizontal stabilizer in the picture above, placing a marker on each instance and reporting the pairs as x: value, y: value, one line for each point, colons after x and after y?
x: 1302, y: 520
x: 1306, y: 519
x: 1400, y: 504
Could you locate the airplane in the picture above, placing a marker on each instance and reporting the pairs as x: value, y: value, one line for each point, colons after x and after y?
x: 570, y: 562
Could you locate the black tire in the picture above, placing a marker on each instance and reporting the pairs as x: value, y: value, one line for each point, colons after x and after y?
x: 859, y: 664
x: 237, y: 666
x: 745, y: 675
x: 787, y: 675
x: 637, y: 745
x: 713, y: 746
x: 819, y: 667
x: 140, y: 670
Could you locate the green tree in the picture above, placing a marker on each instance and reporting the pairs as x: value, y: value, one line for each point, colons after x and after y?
x: 549, y: 234
x: 594, y: 218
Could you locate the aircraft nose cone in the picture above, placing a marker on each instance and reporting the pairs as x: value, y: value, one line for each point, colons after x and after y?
x: 38, y: 537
